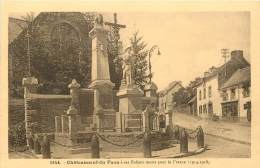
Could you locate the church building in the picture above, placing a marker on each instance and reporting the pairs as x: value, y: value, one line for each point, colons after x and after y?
x: 55, y: 48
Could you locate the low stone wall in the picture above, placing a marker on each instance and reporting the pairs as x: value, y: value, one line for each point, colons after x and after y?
x: 42, y: 109
x: 15, y: 111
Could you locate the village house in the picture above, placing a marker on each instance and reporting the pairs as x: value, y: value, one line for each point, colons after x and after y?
x: 208, y: 91
x: 166, y: 95
x: 192, y: 103
x: 166, y: 101
x: 236, y: 101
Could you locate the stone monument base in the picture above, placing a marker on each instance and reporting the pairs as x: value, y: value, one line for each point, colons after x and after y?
x: 76, y: 143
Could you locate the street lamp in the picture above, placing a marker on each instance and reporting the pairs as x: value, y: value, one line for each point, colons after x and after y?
x: 154, y: 47
x: 29, y: 27
x: 28, y: 36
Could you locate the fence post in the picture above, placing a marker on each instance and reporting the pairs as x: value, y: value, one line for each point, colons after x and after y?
x: 46, y: 149
x: 37, y: 146
x: 30, y: 142
x: 177, y: 132
x: 169, y: 131
x: 147, y: 145
x: 183, y: 141
x: 200, y: 137
x: 95, y: 153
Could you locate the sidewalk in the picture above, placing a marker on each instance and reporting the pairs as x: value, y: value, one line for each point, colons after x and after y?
x: 236, y: 132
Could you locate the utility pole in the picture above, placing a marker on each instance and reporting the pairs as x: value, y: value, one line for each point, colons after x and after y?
x: 225, y: 55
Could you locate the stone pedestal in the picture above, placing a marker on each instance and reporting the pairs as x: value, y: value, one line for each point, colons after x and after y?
x: 130, y: 105
x: 74, y: 124
x: 64, y: 124
x: 101, y: 84
x: 147, y: 118
x: 129, y: 99
x: 119, y: 122
x: 30, y: 85
x: 58, y: 124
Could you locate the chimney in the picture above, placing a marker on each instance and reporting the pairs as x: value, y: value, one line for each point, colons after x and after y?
x: 236, y: 54
x: 197, y: 78
x: 212, y: 69
x: 206, y: 74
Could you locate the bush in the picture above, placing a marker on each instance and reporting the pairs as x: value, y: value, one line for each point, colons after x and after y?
x: 17, y: 135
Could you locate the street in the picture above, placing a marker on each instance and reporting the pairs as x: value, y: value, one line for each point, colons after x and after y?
x: 220, y: 148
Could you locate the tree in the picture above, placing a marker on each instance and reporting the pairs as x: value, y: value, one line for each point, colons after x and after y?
x: 115, y: 60
x: 181, y: 97
x: 138, y: 54
x: 53, y: 67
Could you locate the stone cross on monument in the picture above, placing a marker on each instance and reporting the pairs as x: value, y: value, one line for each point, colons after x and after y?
x: 101, y: 83
x: 100, y: 67
x: 116, y: 27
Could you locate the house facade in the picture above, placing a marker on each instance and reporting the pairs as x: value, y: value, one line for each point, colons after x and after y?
x: 192, y: 103
x: 236, y: 101
x: 209, y: 97
x: 166, y: 95
x: 166, y: 101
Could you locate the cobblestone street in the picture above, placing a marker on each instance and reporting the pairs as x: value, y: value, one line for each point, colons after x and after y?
x: 224, y: 140
x: 220, y: 148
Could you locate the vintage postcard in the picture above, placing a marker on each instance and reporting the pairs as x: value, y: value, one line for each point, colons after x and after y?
x: 127, y: 84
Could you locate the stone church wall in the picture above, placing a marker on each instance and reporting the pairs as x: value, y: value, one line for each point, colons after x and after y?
x: 16, y: 111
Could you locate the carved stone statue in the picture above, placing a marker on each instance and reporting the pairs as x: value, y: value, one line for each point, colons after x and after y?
x: 127, y: 71
x: 74, y: 92
x: 99, y: 20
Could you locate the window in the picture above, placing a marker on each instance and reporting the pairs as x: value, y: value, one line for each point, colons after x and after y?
x: 200, y: 109
x: 233, y: 94
x: 210, y: 107
x: 204, y: 93
x: 224, y: 95
x: 204, y: 108
x: 209, y: 90
x: 200, y: 95
x: 246, y: 92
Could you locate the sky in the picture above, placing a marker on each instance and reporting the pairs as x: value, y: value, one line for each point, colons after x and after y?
x: 190, y: 42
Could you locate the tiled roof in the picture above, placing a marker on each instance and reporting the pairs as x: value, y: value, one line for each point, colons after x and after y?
x: 240, y: 76
x: 230, y: 67
x: 169, y: 87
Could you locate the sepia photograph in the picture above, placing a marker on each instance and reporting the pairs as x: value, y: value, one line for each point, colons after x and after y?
x: 93, y: 84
